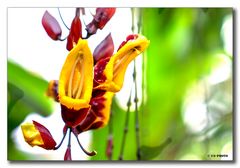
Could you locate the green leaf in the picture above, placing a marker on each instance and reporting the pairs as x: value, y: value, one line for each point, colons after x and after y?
x: 26, y: 94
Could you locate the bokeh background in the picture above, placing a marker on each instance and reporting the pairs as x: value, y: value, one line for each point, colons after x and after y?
x: 184, y: 79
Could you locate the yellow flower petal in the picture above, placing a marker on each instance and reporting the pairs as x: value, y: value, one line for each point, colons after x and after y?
x: 118, y: 63
x: 31, y: 134
x: 76, y: 78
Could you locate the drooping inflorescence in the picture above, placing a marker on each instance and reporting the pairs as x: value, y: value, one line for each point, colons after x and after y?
x: 88, y: 80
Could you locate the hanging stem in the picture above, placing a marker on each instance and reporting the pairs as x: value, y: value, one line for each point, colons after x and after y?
x: 64, y: 135
x: 62, y: 19
x: 125, y: 127
x: 86, y: 152
x: 138, y: 153
x: 62, y: 39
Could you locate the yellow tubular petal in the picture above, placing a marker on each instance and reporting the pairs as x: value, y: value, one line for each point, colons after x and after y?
x: 31, y: 134
x: 76, y: 78
x: 118, y: 63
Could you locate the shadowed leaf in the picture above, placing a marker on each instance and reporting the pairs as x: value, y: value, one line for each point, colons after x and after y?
x: 149, y: 153
x: 26, y: 94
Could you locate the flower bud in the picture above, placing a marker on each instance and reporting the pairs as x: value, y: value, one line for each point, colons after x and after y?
x: 36, y: 134
x: 51, y: 26
x: 104, y: 49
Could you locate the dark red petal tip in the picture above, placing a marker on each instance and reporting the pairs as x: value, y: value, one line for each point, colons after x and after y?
x: 129, y: 37
x: 67, y: 155
x: 51, y: 26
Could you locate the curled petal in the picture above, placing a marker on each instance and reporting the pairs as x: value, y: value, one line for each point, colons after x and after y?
x: 36, y: 134
x: 104, y: 49
x: 75, y: 33
x: 109, y: 72
x: 76, y: 78
x: 51, y: 26
x: 99, y: 114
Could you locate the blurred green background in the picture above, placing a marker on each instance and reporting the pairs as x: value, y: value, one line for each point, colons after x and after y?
x: 186, y: 111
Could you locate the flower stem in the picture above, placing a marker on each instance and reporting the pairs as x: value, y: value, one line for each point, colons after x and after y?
x: 138, y: 152
x: 125, y: 127
x: 136, y: 114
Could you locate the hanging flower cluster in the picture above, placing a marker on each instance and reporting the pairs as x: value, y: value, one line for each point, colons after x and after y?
x: 87, y: 81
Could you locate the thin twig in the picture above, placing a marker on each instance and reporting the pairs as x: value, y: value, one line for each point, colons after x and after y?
x: 64, y: 135
x: 62, y: 19
x: 86, y: 152
x: 136, y: 115
x: 63, y: 39
x: 138, y: 153
x: 69, y: 138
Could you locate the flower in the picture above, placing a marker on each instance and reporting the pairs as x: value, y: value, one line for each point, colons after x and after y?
x: 109, y: 72
x: 36, y: 134
x: 91, y: 108
x: 76, y: 83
